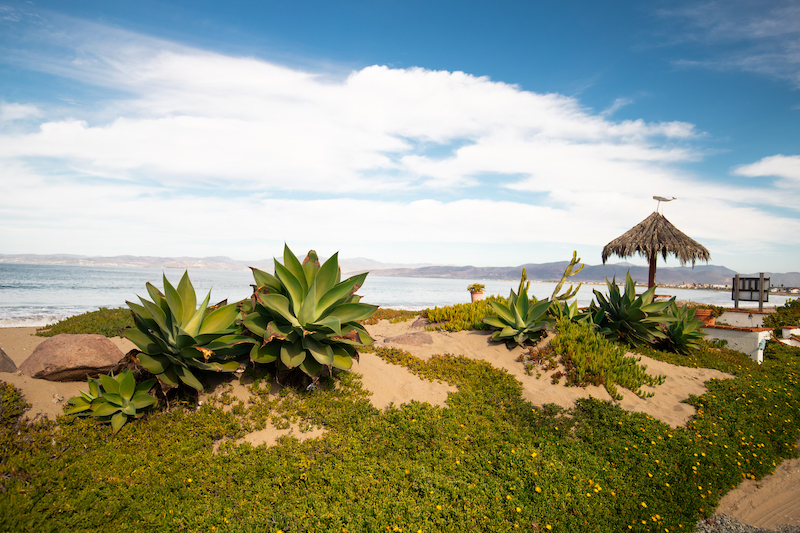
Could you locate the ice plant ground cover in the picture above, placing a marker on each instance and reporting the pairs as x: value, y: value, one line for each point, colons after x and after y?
x: 489, y: 460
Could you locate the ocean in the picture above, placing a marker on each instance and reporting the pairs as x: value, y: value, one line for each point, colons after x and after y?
x: 37, y: 295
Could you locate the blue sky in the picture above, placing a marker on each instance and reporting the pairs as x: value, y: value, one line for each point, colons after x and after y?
x: 491, y: 134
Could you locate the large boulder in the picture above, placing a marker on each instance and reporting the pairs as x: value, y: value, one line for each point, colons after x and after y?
x: 67, y: 357
x: 6, y: 364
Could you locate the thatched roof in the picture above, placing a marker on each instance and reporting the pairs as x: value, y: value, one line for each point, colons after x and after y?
x: 656, y: 235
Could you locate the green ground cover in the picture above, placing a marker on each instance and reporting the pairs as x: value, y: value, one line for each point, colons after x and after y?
x: 104, y: 321
x: 489, y: 460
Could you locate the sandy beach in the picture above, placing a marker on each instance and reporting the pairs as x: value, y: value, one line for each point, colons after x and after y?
x: 772, y: 501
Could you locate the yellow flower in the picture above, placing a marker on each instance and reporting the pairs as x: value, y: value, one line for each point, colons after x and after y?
x: 539, y: 489
x: 519, y: 510
x: 438, y: 507
x: 548, y: 526
x: 644, y: 505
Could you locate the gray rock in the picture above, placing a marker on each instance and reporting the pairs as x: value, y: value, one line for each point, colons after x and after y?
x: 729, y: 524
x: 6, y: 364
x: 72, y: 357
x: 411, y: 339
x: 420, y: 323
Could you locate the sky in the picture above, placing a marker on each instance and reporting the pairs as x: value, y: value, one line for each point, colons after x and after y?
x: 462, y: 133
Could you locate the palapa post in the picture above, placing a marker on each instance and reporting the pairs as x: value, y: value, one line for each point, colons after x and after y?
x: 653, y: 236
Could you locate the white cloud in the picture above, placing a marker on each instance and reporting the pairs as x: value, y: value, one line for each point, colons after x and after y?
x: 15, y: 111
x: 618, y: 104
x: 201, y: 117
x: 766, y: 34
x: 781, y: 166
x: 206, y: 154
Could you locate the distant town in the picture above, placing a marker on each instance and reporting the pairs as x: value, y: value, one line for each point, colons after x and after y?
x: 727, y: 286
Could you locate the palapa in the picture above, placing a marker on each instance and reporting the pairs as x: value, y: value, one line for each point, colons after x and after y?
x: 653, y: 236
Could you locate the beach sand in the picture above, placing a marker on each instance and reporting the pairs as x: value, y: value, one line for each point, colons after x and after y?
x: 767, y: 503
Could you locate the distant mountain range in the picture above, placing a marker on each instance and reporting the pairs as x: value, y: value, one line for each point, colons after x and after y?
x: 358, y: 264
x: 700, y: 274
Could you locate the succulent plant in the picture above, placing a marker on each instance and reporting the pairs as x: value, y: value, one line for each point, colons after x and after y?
x: 305, y: 317
x: 570, y: 271
x: 685, y: 333
x: 175, y: 337
x: 113, y: 399
x: 522, y: 319
x: 559, y: 307
x: 629, y: 318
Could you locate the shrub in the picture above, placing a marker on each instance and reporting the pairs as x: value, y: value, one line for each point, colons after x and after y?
x: 476, y: 287
x: 590, y: 359
x: 108, y: 322
x: 392, y: 315
x: 461, y: 317
x: 787, y: 314
x: 716, y: 310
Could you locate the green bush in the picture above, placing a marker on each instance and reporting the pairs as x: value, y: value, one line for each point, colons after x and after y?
x: 108, y: 322
x: 590, y: 359
x: 787, y: 314
x: 716, y: 310
x: 392, y: 315
x: 461, y: 317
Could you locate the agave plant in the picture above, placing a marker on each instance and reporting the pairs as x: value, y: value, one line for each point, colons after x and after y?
x: 305, y: 317
x: 113, y: 399
x: 685, y: 332
x: 629, y: 318
x: 522, y: 319
x: 175, y: 337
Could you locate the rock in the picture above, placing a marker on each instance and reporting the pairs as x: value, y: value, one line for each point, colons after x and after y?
x: 67, y: 357
x: 411, y: 339
x: 6, y: 364
x: 420, y: 323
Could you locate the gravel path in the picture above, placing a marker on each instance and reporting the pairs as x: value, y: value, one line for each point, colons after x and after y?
x: 729, y: 524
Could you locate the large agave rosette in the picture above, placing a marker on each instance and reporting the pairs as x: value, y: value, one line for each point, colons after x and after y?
x: 176, y: 338
x: 305, y: 317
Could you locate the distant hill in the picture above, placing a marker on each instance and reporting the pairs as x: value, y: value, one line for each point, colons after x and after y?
x: 358, y: 264
x: 701, y: 274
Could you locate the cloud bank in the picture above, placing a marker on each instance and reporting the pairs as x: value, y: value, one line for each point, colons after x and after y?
x: 190, y: 152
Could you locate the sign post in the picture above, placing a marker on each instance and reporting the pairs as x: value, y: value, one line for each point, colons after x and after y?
x: 750, y: 290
